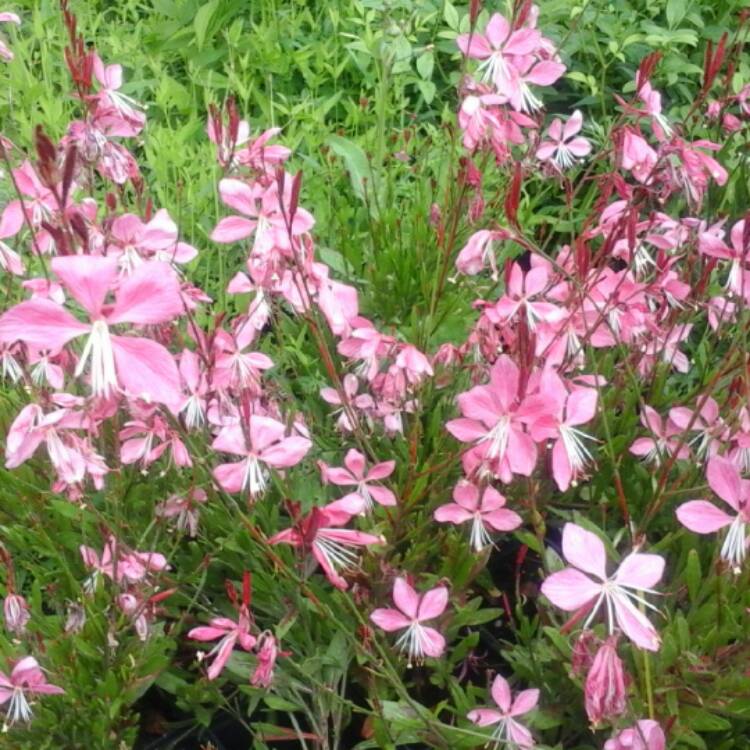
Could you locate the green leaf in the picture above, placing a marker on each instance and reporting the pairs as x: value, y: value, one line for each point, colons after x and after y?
x: 426, y: 64
x: 428, y: 90
x: 450, y: 14
x: 693, y: 575
x: 280, y: 704
x: 202, y: 20
x: 676, y: 10
x: 357, y: 165
x: 702, y: 720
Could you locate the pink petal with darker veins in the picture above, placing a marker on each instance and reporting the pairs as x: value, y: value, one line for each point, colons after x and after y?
x: 147, y: 370
x: 148, y: 296
x: 41, y: 323
x: 724, y: 479
x: 635, y: 624
x: 88, y: 278
x: 501, y: 693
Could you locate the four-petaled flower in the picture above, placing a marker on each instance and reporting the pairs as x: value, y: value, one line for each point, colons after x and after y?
x: 413, y: 609
x: 229, y: 633
x: 703, y: 517
x: 332, y: 547
x: 564, y: 146
x: 25, y: 679
x: 572, y: 590
x: 354, y: 475
x: 261, y: 442
x: 508, y: 729
x: 485, y: 510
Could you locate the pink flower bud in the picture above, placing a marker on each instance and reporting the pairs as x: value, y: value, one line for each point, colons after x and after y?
x: 16, y: 613
x: 583, y: 652
x: 268, y: 652
x: 76, y: 618
x: 606, y: 684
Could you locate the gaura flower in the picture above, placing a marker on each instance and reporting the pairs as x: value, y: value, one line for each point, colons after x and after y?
x: 261, y: 443
x: 149, y: 296
x: 229, y: 633
x: 508, y: 730
x: 703, y: 517
x: 412, y: 610
x: 26, y: 679
x: 485, y: 511
x: 564, y: 147
x: 332, y: 547
x: 572, y: 589
x: 354, y: 475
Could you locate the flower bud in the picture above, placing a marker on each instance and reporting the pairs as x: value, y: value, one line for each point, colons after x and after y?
x: 16, y: 613
x: 606, y: 685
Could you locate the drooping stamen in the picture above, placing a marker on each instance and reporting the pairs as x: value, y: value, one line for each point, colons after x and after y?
x: 498, y: 438
x: 734, y: 548
x: 99, y: 349
x: 480, y: 538
x: 339, y: 556
x: 255, y: 478
x: 18, y: 710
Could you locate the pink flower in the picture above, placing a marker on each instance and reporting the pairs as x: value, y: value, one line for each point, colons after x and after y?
x: 262, y: 217
x: 637, y: 156
x: 185, y: 510
x: 261, y: 443
x: 25, y: 679
x: 571, y: 589
x: 605, y: 690
x: 149, y: 296
x: 485, y: 511
x: 563, y: 146
x: 494, y: 418
x: 332, y: 547
x: 32, y: 427
x: 707, y: 422
x: 413, y: 609
x: 663, y: 444
x: 703, y: 517
x: 130, y: 115
x: 645, y: 735
x: 508, y: 730
x: 354, y: 476
x: 498, y: 47
x: 229, y: 633
x: 565, y: 411
x: 133, y: 242
x: 479, y: 252
x: 525, y: 294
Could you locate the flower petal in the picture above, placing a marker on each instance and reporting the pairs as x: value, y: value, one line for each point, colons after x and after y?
x: 702, y: 517
x: 584, y: 550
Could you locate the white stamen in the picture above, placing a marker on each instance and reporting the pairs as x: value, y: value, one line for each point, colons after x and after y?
x: 735, y: 545
x: 498, y: 438
x: 255, y: 478
x: 99, y: 349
